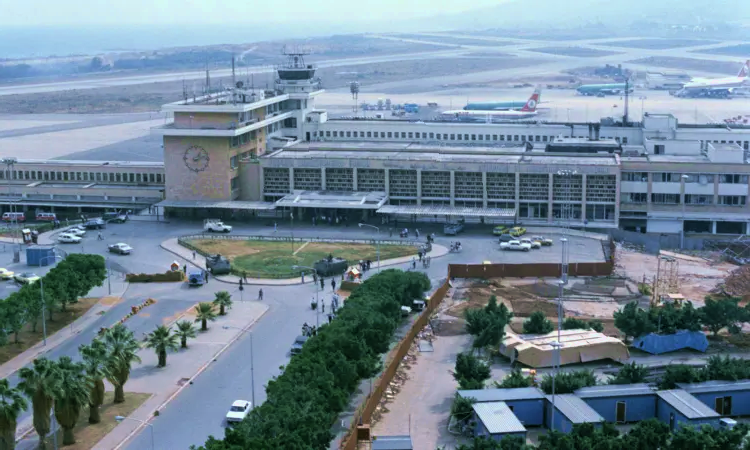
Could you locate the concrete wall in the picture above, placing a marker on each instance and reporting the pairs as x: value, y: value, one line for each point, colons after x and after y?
x: 529, y: 412
x: 655, y: 242
x: 213, y: 183
x: 637, y: 408
x: 219, y: 121
x: 664, y: 410
x: 740, y: 401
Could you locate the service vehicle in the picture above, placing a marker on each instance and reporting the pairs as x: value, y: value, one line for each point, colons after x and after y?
x: 120, y: 248
x: 216, y: 226
x: 27, y: 278
x: 46, y: 216
x: 516, y: 246
x: 14, y: 217
x: 65, y: 238
x: 534, y: 244
x: 517, y: 231
x: 546, y: 242
x: 5, y: 274
x: 238, y: 411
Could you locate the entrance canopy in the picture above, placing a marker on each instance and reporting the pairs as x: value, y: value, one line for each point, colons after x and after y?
x: 218, y: 204
x: 443, y: 210
x: 333, y: 199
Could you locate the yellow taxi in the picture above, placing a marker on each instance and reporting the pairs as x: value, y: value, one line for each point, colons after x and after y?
x: 517, y: 231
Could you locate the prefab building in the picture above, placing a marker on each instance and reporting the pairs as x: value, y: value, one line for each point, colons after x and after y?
x: 392, y: 443
x: 496, y: 421
x: 621, y: 403
x: 677, y: 408
x: 728, y: 398
x: 526, y: 403
x: 569, y: 410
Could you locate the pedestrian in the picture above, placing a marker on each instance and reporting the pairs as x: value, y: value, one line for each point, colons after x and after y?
x: 205, y: 274
x: 323, y: 306
x: 417, y: 232
x: 330, y: 318
x: 184, y: 268
x: 99, y: 237
x: 322, y: 281
x: 275, y: 227
x: 303, y: 277
x: 315, y: 277
x: 333, y: 284
x: 260, y: 294
x: 420, y: 255
x: 193, y: 255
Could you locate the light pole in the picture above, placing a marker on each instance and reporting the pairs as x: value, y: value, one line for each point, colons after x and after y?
x: 10, y: 163
x: 684, y: 179
x: 252, y: 366
x: 291, y: 221
x: 317, y: 303
x: 642, y: 98
x: 41, y: 291
x: 121, y: 418
x: 377, y: 251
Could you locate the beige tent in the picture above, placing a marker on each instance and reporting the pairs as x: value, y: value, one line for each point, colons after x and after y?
x: 578, y: 346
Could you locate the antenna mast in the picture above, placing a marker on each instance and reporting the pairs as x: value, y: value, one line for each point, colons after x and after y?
x: 627, y: 98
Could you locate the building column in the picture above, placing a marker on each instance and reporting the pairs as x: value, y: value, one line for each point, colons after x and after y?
x: 386, y: 182
x: 419, y: 187
x: 355, y: 188
x: 713, y: 227
x: 453, y: 188
x: 550, y: 198
x: 583, y: 197
x: 618, y: 180
x: 291, y: 180
x: 323, y: 178
x: 484, y: 189
x: 517, y: 197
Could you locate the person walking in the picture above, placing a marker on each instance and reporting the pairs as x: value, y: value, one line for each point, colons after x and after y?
x: 99, y: 237
x: 323, y: 307
x: 322, y: 283
x: 333, y: 285
x: 193, y: 255
x: 275, y: 227
x: 260, y: 294
x: 244, y: 276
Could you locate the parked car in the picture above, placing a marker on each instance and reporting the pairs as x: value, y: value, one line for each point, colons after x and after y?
x: 5, y: 274
x: 299, y: 341
x: 65, y: 238
x: 115, y: 217
x: 216, y: 226
x: 515, y: 245
x: 500, y: 230
x: 534, y: 244
x: 27, y: 278
x: 75, y: 231
x: 546, y: 242
x: 506, y: 238
x: 517, y: 231
x: 452, y: 229
x: 95, y: 224
x: 120, y: 248
x: 238, y: 411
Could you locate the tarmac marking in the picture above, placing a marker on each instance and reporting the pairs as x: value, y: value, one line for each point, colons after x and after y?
x: 300, y: 248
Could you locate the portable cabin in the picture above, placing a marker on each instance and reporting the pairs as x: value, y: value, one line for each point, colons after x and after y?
x: 621, y: 403
x: 728, y: 398
x: 569, y: 410
x: 526, y: 403
x: 496, y: 421
x: 392, y: 443
x: 656, y: 344
x: 677, y: 408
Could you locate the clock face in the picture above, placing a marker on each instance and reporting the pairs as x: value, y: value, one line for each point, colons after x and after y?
x: 196, y: 158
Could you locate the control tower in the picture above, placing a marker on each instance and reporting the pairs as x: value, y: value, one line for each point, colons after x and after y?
x: 296, y: 76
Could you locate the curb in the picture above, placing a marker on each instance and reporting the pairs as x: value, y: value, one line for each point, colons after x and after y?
x: 188, y: 382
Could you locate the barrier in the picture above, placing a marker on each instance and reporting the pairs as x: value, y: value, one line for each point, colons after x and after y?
x: 365, y: 410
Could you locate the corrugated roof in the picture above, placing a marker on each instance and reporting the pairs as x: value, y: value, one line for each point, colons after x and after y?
x: 392, y: 443
x: 498, y: 418
x: 614, y: 390
x: 686, y: 404
x: 575, y: 409
x: 715, y: 386
x: 442, y: 210
x: 502, y: 395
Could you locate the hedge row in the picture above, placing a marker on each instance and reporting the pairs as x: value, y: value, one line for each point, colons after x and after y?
x: 303, y: 402
x: 166, y: 277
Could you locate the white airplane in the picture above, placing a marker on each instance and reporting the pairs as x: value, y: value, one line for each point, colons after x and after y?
x: 528, y: 111
x: 741, y: 80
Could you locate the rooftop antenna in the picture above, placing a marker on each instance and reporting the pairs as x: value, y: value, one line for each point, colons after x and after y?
x: 627, y: 97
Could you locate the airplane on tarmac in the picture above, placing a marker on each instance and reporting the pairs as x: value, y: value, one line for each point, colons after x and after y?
x: 526, y: 112
x: 704, y: 86
x: 600, y: 90
x: 497, y: 106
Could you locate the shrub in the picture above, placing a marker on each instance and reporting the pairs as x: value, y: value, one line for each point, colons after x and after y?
x: 537, y: 323
x: 568, y: 382
x: 166, y: 277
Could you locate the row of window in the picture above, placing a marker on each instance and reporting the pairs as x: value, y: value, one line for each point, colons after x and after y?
x: 108, y: 177
x: 438, y: 136
x: 690, y: 199
x: 243, y: 139
x: 668, y: 177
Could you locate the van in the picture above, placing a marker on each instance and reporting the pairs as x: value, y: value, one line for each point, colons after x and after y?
x: 46, y: 216
x: 14, y: 217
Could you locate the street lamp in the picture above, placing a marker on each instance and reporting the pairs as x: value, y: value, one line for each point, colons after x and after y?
x: 10, y: 163
x: 684, y: 179
x: 41, y: 290
x: 378, y: 241
x: 642, y: 98
x: 252, y: 368
x: 291, y: 222
x: 121, y: 418
x: 556, y: 366
x: 317, y: 303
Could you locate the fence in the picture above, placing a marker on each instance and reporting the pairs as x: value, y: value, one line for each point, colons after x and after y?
x: 365, y: 410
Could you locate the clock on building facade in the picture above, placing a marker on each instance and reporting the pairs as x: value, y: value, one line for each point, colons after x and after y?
x: 196, y: 158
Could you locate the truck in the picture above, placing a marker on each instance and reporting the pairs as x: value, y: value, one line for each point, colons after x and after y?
x: 515, y: 245
x: 218, y: 265
x: 216, y: 226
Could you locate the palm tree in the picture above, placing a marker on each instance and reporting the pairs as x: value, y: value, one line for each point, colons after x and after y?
x: 185, y: 330
x: 74, y: 396
x: 42, y: 383
x: 223, y: 300
x: 161, y: 340
x: 11, y: 405
x: 122, y: 352
x: 95, y: 361
x: 205, y: 312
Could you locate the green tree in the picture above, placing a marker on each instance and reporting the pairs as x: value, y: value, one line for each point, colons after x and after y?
x: 470, y: 371
x: 725, y: 368
x: 516, y: 379
x: 647, y: 435
x: 122, y: 352
x: 708, y: 438
x: 95, y: 364
x: 72, y: 398
x: 223, y: 300
x: 632, y: 321
x: 568, y: 382
x: 42, y: 383
x: 185, y: 330
x: 537, y: 323
x: 630, y: 373
x: 204, y: 312
x: 719, y: 314
x: 596, y: 325
x: 572, y: 323
x: 13, y: 316
x: 162, y: 340
x: 690, y: 318
x: 462, y: 410
x: 665, y: 319
x: 507, y: 443
x: 487, y: 324
x: 12, y: 404
x: 678, y: 373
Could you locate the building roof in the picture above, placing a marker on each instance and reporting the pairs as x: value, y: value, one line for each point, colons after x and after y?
x: 334, y: 199
x: 614, y: 390
x: 218, y: 204
x: 575, y: 409
x: 501, y: 395
x: 686, y: 404
x: 392, y: 443
x: 715, y: 386
x: 498, y: 418
x: 442, y: 210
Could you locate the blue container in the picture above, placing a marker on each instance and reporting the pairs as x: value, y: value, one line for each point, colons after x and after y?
x: 40, y: 255
x: 656, y: 344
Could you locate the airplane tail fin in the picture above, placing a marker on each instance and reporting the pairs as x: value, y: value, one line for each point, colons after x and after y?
x: 530, y: 105
x: 745, y: 71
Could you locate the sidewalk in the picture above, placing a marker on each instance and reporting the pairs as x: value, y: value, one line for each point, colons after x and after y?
x: 173, y: 247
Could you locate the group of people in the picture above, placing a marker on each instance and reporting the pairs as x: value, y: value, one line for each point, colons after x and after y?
x: 364, y: 265
x: 330, y: 220
x: 455, y: 246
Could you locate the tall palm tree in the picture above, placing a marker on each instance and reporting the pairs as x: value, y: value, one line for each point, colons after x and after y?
x: 185, y: 330
x: 162, y: 340
x: 42, y: 383
x: 223, y: 300
x: 122, y: 352
x: 204, y: 313
x: 74, y: 396
x: 11, y: 405
x: 95, y: 361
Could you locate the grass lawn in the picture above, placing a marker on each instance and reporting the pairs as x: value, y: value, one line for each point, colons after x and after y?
x: 271, y: 259
x: 27, y: 338
x: 87, y: 435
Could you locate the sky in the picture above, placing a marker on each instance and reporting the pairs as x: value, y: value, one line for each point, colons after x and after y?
x: 25, y: 13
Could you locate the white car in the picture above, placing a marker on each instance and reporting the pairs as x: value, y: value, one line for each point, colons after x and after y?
x: 216, y: 226
x: 531, y: 242
x: 515, y: 245
x: 65, y: 238
x: 120, y: 248
x: 239, y: 410
x: 75, y: 231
